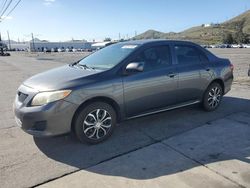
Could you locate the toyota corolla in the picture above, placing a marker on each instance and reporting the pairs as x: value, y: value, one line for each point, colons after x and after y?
x: 122, y: 81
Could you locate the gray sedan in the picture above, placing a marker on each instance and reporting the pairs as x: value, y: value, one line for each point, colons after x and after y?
x: 122, y: 81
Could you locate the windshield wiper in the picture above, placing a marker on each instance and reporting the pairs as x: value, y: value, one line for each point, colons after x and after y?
x: 73, y: 64
x: 81, y: 65
x: 84, y: 66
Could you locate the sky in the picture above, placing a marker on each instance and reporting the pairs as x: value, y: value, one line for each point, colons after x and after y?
x: 61, y: 20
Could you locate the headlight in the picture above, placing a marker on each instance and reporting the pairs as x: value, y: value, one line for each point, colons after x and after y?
x: 50, y: 96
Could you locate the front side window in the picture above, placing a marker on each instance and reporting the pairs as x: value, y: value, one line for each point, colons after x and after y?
x: 155, y: 58
x: 109, y: 56
x: 187, y: 55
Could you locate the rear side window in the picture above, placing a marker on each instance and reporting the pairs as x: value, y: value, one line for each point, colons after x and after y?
x: 189, y: 55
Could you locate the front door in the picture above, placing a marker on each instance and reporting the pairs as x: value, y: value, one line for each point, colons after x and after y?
x: 155, y: 87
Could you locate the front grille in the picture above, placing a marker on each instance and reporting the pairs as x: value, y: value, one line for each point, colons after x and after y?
x: 21, y: 96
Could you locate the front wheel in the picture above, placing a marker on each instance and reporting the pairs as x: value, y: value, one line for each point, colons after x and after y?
x: 212, y: 97
x: 95, y: 123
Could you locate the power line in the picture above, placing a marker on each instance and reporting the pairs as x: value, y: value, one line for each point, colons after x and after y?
x: 1, y: 19
x: 13, y: 8
x: 5, y: 8
x: 3, y: 5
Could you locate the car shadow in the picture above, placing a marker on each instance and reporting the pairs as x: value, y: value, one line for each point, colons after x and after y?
x: 149, y: 131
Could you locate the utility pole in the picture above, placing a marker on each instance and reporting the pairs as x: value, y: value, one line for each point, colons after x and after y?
x: 119, y: 36
x: 9, y: 40
x: 33, y: 42
x: 1, y: 44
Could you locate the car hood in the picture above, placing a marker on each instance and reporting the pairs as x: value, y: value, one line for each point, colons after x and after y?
x: 60, y: 78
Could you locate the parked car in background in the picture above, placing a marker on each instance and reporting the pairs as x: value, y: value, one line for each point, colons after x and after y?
x: 54, y: 49
x: 227, y: 46
x: 60, y: 50
x: 46, y: 50
x: 122, y: 81
x: 246, y: 45
x: 235, y: 46
x: 248, y: 70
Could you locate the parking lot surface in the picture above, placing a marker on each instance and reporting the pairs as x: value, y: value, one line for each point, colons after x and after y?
x: 181, y: 148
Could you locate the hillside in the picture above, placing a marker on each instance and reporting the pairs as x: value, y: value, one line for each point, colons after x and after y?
x: 205, y: 35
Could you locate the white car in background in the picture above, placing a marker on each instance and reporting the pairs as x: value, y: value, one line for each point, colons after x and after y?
x: 60, y: 50
x: 246, y: 45
x: 235, y: 46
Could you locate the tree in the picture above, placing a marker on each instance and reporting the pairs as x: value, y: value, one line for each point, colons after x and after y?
x: 107, y: 39
x: 240, y: 38
x: 228, y: 38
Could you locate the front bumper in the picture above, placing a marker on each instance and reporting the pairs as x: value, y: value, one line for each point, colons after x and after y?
x: 48, y: 120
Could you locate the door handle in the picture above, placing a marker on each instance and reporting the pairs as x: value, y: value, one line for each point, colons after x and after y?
x: 171, y: 75
x: 207, y: 69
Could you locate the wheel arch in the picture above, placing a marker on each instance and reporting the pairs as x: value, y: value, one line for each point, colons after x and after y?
x: 219, y: 81
x: 204, y: 100
x: 107, y: 100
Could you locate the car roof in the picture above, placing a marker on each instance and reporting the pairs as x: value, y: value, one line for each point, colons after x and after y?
x: 151, y: 41
x: 166, y: 41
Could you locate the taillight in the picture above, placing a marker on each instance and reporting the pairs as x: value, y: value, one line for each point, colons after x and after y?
x: 232, y: 67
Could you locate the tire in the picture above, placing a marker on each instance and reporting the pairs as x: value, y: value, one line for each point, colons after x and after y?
x: 95, y: 123
x: 212, y: 97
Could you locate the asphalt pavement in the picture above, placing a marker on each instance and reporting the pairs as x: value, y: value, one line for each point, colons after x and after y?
x: 180, y: 148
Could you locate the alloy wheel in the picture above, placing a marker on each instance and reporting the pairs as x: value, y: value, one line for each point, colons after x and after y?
x: 214, y: 97
x: 97, y: 124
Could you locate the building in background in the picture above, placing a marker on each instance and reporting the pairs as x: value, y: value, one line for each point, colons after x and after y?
x: 41, y: 46
x: 37, y: 45
x: 19, y: 46
x: 211, y: 25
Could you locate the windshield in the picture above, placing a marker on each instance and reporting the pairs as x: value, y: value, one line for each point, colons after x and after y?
x: 108, y: 57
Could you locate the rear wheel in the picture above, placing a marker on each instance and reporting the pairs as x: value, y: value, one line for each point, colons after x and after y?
x: 95, y: 123
x: 212, y: 97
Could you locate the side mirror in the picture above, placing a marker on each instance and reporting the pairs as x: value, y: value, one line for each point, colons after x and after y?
x: 135, y: 67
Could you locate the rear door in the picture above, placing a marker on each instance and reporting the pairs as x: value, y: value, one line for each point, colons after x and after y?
x: 155, y: 87
x: 189, y: 69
